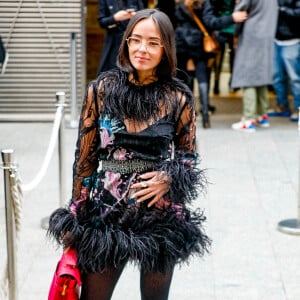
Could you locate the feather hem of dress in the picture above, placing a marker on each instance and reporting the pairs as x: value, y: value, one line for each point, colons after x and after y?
x: 153, y: 239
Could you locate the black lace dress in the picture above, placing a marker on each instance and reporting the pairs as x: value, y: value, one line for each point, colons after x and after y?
x: 102, y: 221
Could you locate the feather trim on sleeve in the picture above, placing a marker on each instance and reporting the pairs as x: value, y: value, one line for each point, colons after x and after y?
x: 187, y: 180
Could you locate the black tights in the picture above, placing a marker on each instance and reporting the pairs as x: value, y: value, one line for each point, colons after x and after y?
x: 100, y: 286
x: 155, y: 286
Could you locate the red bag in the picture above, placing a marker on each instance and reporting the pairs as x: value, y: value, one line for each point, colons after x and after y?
x: 66, y: 281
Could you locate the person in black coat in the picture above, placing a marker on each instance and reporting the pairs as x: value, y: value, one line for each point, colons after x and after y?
x: 168, y: 7
x: 3, y: 57
x: 189, y: 43
x: 114, y: 15
x: 224, y: 36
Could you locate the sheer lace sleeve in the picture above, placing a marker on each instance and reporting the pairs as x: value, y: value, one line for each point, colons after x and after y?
x: 86, y: 153
x: 185, y: 140
x: 187, y: 179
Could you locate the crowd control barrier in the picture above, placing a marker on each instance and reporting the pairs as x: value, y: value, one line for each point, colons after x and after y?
x: 74, y: 116
x: 14, y: 195
x: 292, y: 226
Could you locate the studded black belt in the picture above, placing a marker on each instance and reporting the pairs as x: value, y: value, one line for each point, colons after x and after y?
x: 128, y: 166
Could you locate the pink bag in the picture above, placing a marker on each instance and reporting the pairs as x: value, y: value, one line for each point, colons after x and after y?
x: 66, y: 281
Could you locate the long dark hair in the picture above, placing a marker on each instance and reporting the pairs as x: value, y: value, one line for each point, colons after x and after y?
x: 167, y: 65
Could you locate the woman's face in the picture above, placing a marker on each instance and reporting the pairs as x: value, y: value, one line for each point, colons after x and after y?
x: 145, y: 47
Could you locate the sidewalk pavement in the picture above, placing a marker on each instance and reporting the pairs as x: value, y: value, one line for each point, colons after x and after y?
x: 254, y: 183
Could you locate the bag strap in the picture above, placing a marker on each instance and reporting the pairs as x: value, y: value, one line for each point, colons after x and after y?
x: 197, y: 20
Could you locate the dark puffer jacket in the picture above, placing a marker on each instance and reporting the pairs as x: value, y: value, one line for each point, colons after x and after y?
x: 221, y: 7
x: 188, y: 35
x: 288, y: 26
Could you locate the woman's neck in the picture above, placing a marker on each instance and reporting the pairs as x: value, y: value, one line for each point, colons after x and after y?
x: 142, y: 79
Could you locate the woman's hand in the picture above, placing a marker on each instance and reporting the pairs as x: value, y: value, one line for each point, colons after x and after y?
x: 239, y: 16
x: 122, y: 15
x: 152, y: 185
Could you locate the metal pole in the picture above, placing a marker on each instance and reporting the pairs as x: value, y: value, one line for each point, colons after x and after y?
x: 83, y: 46
x: 74, y: 119
x: 292, y: 226
x: 7, y: 158
x: 60, y: 102
x: 60, y: 98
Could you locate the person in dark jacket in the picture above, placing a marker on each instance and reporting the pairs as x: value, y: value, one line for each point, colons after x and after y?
x: 287, y: 59
x: 114, y: 15
x: 189, y: 43
x: 224, y: 36
x: 168, y: 7
x: 3, y: 57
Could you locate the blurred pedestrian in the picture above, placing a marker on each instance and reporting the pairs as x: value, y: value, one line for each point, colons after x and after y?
x: 253, y: 63
x: 286, y: 77
x: 225, y: 36
x: 3, y: 56
x: 135, y: 169
x: 168, y: 7
x: 189, y: 40
x: 113, y: 16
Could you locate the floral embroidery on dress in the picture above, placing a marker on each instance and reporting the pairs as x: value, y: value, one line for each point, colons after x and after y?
x: 122, y: 154
x: 107, y: 127
x: 84, y: 194
x: 112, y: 182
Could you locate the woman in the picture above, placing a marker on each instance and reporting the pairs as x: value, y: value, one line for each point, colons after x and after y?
x: 135, y: 168
x: 189, y: 40
x: 113, y: 16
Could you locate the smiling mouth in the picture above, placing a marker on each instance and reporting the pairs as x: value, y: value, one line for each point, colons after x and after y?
x: 141, y: 58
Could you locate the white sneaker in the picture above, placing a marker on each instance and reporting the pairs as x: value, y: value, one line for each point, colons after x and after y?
x: 246, y: 126
x: 294, y: 117
x: 263, y: 121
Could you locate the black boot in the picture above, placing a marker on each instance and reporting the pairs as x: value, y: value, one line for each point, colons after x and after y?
x: 212, y: 109
x: 205, y: 121
x: 216, y: 87
x: 203, y: 93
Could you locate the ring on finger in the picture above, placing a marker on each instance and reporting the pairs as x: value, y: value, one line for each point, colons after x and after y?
x: 144, y: 184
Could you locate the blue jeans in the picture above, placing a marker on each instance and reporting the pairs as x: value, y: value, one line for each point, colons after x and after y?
x: 287, y: 73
